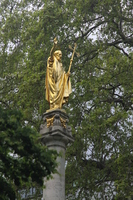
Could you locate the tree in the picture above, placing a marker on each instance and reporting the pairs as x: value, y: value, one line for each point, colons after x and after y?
x: 23, y: 160
x: 102, y: 155
x: 99, y: 163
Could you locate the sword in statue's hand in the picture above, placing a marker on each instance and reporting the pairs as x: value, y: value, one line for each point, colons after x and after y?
x: 71, y: 60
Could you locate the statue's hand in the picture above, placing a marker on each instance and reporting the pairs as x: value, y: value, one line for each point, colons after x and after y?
x: 68, y: 74
x: 55, y: 41
x: 50, y: 60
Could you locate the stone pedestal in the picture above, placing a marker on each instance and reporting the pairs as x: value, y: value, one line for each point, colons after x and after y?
x: 56, y: 134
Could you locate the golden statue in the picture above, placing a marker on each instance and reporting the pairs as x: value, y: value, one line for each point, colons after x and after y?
x: 57, y: 82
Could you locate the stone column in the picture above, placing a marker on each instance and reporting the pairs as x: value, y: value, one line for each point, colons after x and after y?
x: 56, y: 134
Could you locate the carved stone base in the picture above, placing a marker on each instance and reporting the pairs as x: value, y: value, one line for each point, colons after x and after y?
x: 56, y: 134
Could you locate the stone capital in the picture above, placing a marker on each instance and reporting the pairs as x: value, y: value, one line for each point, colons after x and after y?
x: 55, y: 128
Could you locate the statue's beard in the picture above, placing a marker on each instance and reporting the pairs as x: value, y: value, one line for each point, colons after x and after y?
x: 59, y: 59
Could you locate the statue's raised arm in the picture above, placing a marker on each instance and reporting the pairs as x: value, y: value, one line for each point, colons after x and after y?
x: 57, y: 82
x: 53, y: 48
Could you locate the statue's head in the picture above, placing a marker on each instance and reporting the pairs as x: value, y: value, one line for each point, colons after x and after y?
x: 58, y: 55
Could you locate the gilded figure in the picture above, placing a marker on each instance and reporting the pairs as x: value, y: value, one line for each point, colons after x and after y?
x: 57, y: 81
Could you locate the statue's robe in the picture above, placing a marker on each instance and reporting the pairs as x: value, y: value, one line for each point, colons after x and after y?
x: 57, y: 84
